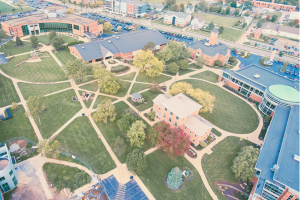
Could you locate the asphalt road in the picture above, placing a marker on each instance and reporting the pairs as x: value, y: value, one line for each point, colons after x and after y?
x: 180, y: 31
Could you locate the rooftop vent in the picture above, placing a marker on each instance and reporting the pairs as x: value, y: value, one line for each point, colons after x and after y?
x: 82, y: 47
x: 153, y: 30
x: 256, y: 76
x: 207, y: 44
x: 179, y: 96
x: 109, y: 41
x: 275, y: 167
x: 296, y: 157
x: 207, y: 39
x: 217, y: 43
x: 117, y: 37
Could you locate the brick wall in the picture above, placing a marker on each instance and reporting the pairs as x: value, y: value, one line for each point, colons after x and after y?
x: 232, y: 85
x: 255, y: 97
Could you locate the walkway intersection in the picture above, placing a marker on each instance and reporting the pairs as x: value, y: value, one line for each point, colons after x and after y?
x: 120, y: 172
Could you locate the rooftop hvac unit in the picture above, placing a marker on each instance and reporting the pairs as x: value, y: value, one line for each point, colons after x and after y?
x: 217, y: 43
x: 83, y: 47
x: 109, y: 41
x: 256, y: 76
x: 296, y: 157
x: 207, y: 44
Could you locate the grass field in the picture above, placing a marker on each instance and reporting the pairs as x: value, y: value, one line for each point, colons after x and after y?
x: 6, y: 9
x: 64, y: 56
x: 207, y: 75
x: 17, y: 126
x: 148, y: 96
x: 100, y: 99
x: 163, y: 1
x: 230, y: 112
x: 8, y: 93
x: 182, y: 72
x: 275, y: 13
x: 137, y: 87
x: 228, y: 33
x: 122, y: 91
x: 11, y: 50
x: 128, y: 77
x: 217, y: 165
x: 45, y: 71
x: 143, y: 77
x: 218, y: 20
x: 61, y: 176
x: 80, y: 139
x: 111, y: 131
x: 91, y: 86
x: 160, y: 22
x: 60, y: 108
x: 28, y: 89
x: 45, y: 39
x: 159, y: 165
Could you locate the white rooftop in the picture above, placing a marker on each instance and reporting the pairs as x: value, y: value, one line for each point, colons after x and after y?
x: 198, y: 124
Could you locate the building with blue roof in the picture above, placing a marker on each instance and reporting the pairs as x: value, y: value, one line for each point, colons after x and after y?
x: 126, y: 46
x: 264, y: 86
x: 277, y: 167
x: 210, y: 49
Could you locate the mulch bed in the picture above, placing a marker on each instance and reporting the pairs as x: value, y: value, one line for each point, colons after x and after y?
x: 173, y: 189
x: 232, y: 188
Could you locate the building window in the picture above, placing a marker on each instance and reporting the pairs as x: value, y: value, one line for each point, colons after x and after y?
x: 185, y: 128
x: 5, y: 187
x: 15, y: 181
x: 11, y: 172
x: 166, y: 109
x: 193, y: 140
x: 76, y: 27
x: 155, y: 106
x: 164, y: 115
x: 2, y: 178
x: 177, y: 117
x: 195, y: 135
x: 171, y: 113
x: 190, y: 131
x: 170, y: 120
x: 175, y: 124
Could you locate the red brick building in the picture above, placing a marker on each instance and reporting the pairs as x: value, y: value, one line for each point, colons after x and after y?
x: 270, y: 5
x: 257, y: 33
x: 211, y: 50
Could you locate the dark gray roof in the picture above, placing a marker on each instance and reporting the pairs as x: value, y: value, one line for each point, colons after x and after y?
x: 177, y: 14
x: 209, y: 50
x: 288, y: 29
x: 199, y: 18
x: 215, y: 30
x: 270, y: 25
x: 124, y: 43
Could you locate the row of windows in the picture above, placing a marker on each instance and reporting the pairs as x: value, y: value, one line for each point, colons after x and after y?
x: 3, y: 178
x: 273, y: 188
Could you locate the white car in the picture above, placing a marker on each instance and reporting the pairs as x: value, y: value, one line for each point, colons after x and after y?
x: 1, y: 53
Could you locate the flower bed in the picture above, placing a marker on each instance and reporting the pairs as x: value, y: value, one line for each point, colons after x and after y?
x: 112, y: 62
x: 120, y: 68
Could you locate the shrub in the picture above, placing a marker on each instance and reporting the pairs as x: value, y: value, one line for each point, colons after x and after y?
x: 203, y: 144
x: 73, y: 43
x: 172, y: 68
x: 220, y: 186
x: 218, y: 63
x: 232, y: 59
x: 226, y: 188
x: 183, y: 64
x: 151, y: 115
x: 174, y: 179
x: 141, y: 100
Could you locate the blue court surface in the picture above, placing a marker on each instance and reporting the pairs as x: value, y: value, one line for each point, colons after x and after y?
x: 291, y: 71
x: 3, y: 59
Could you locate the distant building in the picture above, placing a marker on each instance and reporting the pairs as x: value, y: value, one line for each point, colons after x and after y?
x: 293, y: 16
x: 285, y: 31
x: 177, y: 18
x: 8, y: 176
x: 190, y: 9
x: 211, y: 50
x: 136, y: 96
x: 248, y: 20
x: 181, y: 111
x: 197, y: 23
x: 257, y: 33
x: 133, y: 8
x: 270, y: 5
x: 269, y: 28
x: 158, y: 7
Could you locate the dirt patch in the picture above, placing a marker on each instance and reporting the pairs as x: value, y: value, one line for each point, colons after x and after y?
x: 232, y: 190
x: 31, y: 191
x: 22, y: 143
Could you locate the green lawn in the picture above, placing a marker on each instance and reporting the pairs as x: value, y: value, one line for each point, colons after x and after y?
x: 122, y: 91
x: 8, y: 93
x: 11, y: 50
x: 45, y: 39
x: 160, y: 22
x: 148, y: 96
x: 230, y: 112
x: 91, y: 86
x: 182, y: 72
x: 162, y: 1
x: 6, y: 9
x: 60, y: 108
x: 137, y: 87
x: 87, y: 104
x: 80, y: 139
x: 128, y: 77
x: 111, y: 131
x: 61, y: 176
x: 217, y: 19
x: 228, y: 33
x: 143, y: 77
x: 207, y: 75
x: 17, y: 126
x: 28, y: 89
x: 159, y: 165
x: 101, y: 98
x: 275, y: 13
x: 45, y: 71
x: 219, y: 162
x: 64, y: 56
x: 216, y: 132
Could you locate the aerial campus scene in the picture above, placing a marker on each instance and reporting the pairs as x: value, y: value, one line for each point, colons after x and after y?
x: 149, y: 99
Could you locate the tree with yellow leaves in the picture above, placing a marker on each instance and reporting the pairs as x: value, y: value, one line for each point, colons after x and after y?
x: 70, y: 11
x: 104, y: 110
x: 181, y: 87
x: 107, y: 26
x: 146, y: 61
x: 108, y: 82
x: 204, y: 98
x: 21, y: 1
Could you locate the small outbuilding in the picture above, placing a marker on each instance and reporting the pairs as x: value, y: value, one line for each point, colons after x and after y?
x: 136, y: 96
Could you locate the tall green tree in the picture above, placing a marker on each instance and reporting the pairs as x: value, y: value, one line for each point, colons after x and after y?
x: 35, y: 105
x: 259, y: 24
x: 174, y: 50
x: 125, y: 122
x: 236, y: 12
x: 76, y: 70
x: 58, y: 43
x: 108, y: 82
x: 136, y: 133
x: 18, y: 41
x: 200, y: 61
x: 244, y: 163
x: 49, y: 149
x: 211, y: 25
x: 172, y: 68
x: 184, y: 64
x: 104, y: 111
x: 52, y: 34
x: 136, y: 161
x: 221, y: 29
x: 2, y: 36
x: 227, y: 11
x: 274, y: 18
x: 174, y: 179
x: 149, y: 46
x: 34, y: 41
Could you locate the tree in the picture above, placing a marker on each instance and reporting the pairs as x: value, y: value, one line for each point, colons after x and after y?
x: 146, y: 61
x: 34, y: 41
x: 280, y: 53
x: 200, y: 61
x: 136, y: 161
x: 174, y: 179
x: 2, y: 36
x: 21, y: 1
x: 50, y: 149
x: 223, y: 12
x: 125, y: 122
x: 104, y: 110
x: 108, y: 82
x: 233, y: 4
x: 173, y: 141
x: 107, y: 26
x: 211, y: 26
x: 255, y: 16
x: 136, y: 133
x: 158, y: 128
x: 174, y: 8
x: 247, y: 13
x: 64, y: 1
x: 184, y: 64
x: 35, y: 105
x: 295, y: 22
x: 236, y: 12
x: 164, y: 54
x: 149, y: 46
x: 70, y: 11
x: 203, y: 144
x: 154, y: 87
x: 14, y: 105
x: 218, y: 63
x: 232, y: 59
x: 77, y: 70
x: 259, y: 24
x: 100, y: 21
x: 244, y: 163
x: 202, y: 4
x: 174, y: 50
x: 172, y: 68
x: 58, y: 43
x: 18, y: 41
x: 180, y: 87
x: 227, y: 11
x: 274, y: 18
x: 119, y: 146
x: 204, y: 98
x: 52, y: 34
x: 221, y: 29
x: 181, y: 7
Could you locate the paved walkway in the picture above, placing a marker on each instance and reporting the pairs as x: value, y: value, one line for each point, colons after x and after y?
x: 121, y: 172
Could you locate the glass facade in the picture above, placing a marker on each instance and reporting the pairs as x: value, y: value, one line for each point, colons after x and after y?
x: 15, y: 181
x: 25, y: 30
x: 267, y: 107
x: 5, y: 187
x: 58, y: 27
x: 76, y: 27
